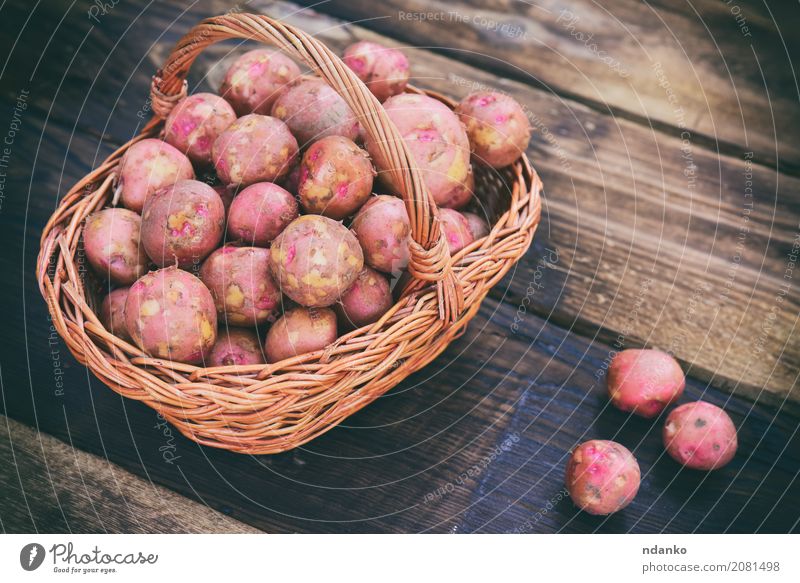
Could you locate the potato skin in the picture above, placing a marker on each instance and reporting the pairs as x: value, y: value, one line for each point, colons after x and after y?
x: 477, y: 226
x: 235, y: 346
x: 383, y: 230
x: 254, y: 148
x: 602, y: 477
x: 313, y: 110
x: 300, y: 331
x: 254, y: 80
x: 383, y: 70
x: 314, y: 260
x: 497, y: 126
x: 366, y: 301
x: 438, y: 142
x: 335, y: 178
x: 700, y: 436
x: 456, y: 230
x: 644, y: 382
x: 239, y: 281
x: 170, y: 314
x: 112, y: 313
x: 147, y: 166
x: 259, y: 213
x: 111, y: 240
x: 195, y: 122
x: 182, y: 223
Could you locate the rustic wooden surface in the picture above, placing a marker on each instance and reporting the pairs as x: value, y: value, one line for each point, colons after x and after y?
x: 630, y: 252
x: 52, y: 487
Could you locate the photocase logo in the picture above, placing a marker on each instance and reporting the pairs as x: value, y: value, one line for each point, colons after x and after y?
x: 31, y: 556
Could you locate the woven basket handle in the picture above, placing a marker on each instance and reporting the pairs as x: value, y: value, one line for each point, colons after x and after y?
x: 429, y: 255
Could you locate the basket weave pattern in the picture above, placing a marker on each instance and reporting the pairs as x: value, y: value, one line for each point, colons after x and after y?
x: 263, y: 409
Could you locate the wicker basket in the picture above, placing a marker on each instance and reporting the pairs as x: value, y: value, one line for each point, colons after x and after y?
x: 261, y: 409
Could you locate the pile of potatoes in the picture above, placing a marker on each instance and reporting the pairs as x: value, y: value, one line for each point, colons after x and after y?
x: 259, y: 229
x: 603, y: 477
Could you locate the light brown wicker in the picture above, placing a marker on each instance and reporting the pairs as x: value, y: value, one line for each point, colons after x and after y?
x: 265, y: 409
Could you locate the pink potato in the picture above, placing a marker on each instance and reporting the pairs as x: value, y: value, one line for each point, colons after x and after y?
x: 383, y: 70
x: 112, y: 313
x: 366, y: 301
x: 314, y: 260
x: 438, y: 143
x: 236, y: 346
x: 147, y: 166
x: 700, y: 436
x: 182, y: 223
x: 239, y: 281
x: 644, y: 382
x: 477, y: 226
x: 456, y: 230
x: 498, y: 128
x: 111, y: 239
x: 602, y: 477
x: 195, y: 123
x: 313, y: 110
x: 254, y: 148
x: 383, y: 230
x: 170, y: 314
x: 253, y: 81
x: 335, y: 178
x: 300, y: 331
x: 462, y: 194
x: 259, y: 213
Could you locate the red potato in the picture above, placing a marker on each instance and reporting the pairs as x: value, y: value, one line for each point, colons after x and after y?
x: 436, y: 140
x: 300, y: 331
x: 313, y: 110
x: 700, y: 436
x: 170, y: 314
x: 462, y: 194
x: 383, y: 70
x: 111, y: 240
x: 602, y: 477
x: 497, y: 126
x: 644, y: 382
x: 112, y: 313
x: 182, y: 223
x: 254, y: 80
x: 195, y: 123
x: 147, y: 166
x: 456, y: 230
x: 477, y: 226
x: 314, y: 260
x: 366, y: 301
x: 239, y: 281
x: 254, y: 148
x: 259, y: 213
x: 383, y: 230
x: 236, y: 346
x: 335, y: 178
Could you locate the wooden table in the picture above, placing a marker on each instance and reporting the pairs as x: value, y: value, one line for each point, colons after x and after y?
x: 666, y: 135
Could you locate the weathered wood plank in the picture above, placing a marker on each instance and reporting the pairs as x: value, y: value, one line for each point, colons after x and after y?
x: 49, y: 486
x: 728, y: 65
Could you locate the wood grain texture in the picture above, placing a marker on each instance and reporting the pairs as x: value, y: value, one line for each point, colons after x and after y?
x: 506, y: 401
x: 729, y: 65
x: 49, y: 487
